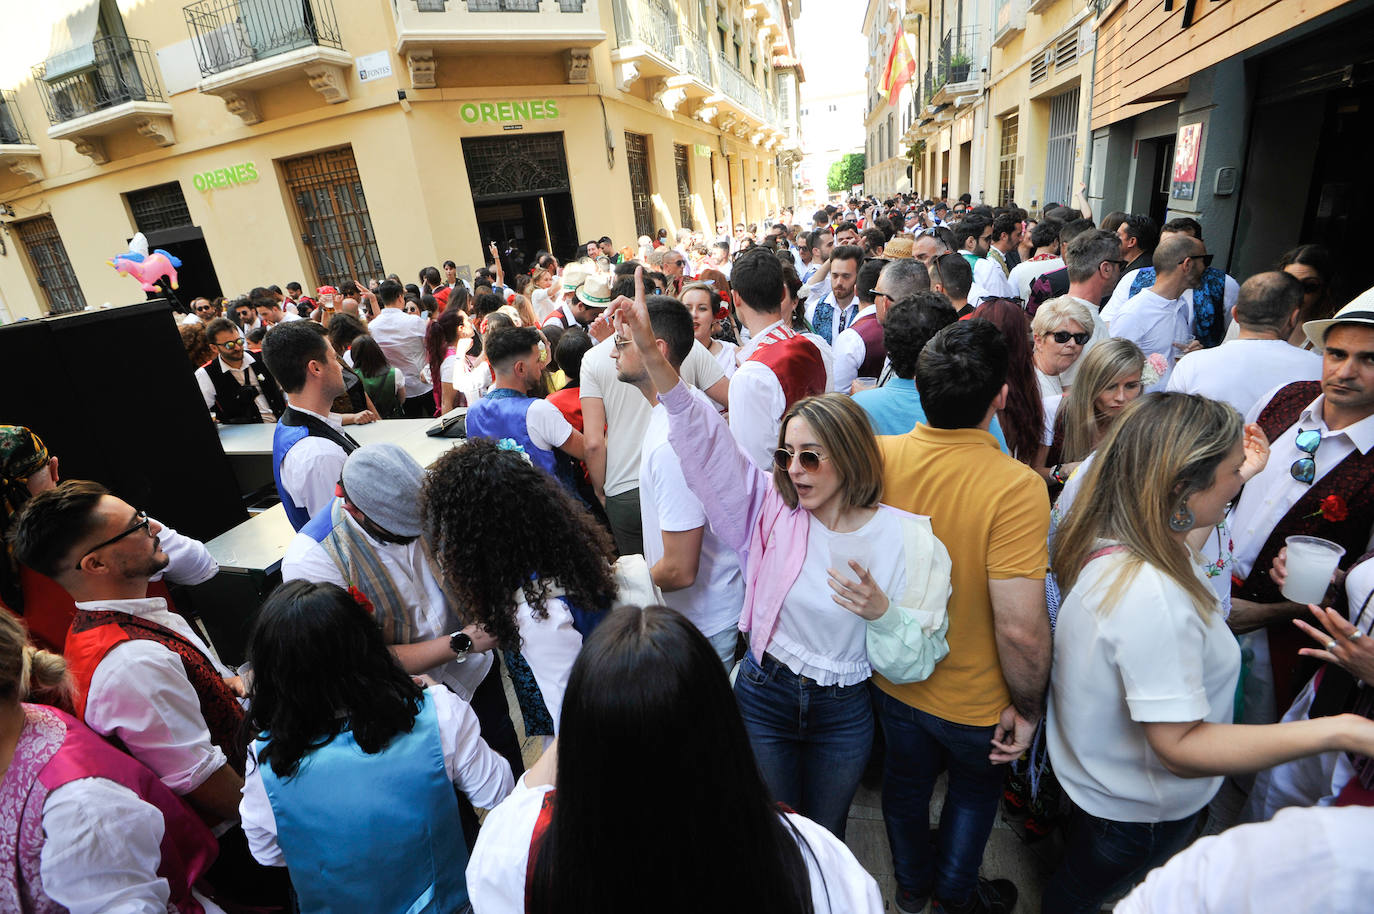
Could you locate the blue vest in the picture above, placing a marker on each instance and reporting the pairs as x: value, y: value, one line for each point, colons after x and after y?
x: 293, y: 428
x: 370, y: 833
x: 502, y: 414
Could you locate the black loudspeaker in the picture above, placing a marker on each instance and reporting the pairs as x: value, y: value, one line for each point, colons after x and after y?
x: 113, y: 396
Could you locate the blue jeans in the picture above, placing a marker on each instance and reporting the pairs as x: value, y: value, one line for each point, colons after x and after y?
x: 811, y: 741
x: 1103, y: 858
x: 919, y: 747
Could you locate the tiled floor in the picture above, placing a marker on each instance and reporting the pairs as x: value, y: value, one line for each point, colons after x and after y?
x: 1006, y: 857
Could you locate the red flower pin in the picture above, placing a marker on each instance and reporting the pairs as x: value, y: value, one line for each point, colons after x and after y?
x: 1333, y: 509
x: 361, y: 599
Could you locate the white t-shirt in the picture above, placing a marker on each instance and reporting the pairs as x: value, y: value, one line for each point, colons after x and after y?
x: 1152, y: 659
x: 627, y: 412
x: 818, y: 638
x: 548, y: 428
x: 726, y: 357
x: 498, y: 867
x: 1050, y: 385
x: 713, y: 601
x: 1242, y: 371
x: 1155, y: 324
x: 1051, y: 413
x: 1122, y: 293
x: 1026, y: 272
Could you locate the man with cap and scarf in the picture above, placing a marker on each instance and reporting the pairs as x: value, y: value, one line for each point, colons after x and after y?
x: 367, y: 541
x: 26, y: 469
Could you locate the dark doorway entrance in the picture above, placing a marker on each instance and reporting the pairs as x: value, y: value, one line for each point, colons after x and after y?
x: 1161, y: 177
x: 509, y: 177
x: 161, y: 214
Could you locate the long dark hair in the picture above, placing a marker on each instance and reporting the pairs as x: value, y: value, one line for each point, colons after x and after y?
x: 320, y: 666
x: 1023, y: 418
x: 482, y: 507
x: 441, y: 333
x: 368, y: 358
x: 647, y: 693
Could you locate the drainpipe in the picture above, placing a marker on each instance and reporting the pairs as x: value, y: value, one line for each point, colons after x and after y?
x: 1092, y: 83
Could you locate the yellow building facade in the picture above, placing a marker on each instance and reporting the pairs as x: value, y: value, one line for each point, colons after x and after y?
x: 318, y: 141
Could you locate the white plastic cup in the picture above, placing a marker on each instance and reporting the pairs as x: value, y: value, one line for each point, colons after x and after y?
x: 1311, y: 562
x: 865, y: 384
x: 846, y: 546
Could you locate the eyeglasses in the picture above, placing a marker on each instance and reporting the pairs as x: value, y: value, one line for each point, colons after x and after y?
x: 1304, y: 469
x: 935, y: 265
x: 1063, y: 336
x: 874, y: 293
x: 621, y: 343
x: 231, y: 344
x: 810, y: 461
x: 1205, y: 258
x: 141, y: 525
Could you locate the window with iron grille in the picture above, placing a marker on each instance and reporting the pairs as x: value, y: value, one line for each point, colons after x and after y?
x: 160, y: 207
x: 1062, y: 147
x: 431, y: 6
x: 54, y: 271
x: 684, y: 184
x: 335, y: 226
x: 637, y: 159
x: 1006, y: 161
x: 501, y: 167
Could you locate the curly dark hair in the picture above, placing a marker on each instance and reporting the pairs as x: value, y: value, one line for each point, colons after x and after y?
x: 319, y: 666
x: 479, y: 506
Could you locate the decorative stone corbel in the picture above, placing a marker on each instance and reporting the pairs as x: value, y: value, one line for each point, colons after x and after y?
x: 329, y: 81
x: 626, y: 75
x: 157, y: 129
x: 29, y: 168
x: 242, y: 104
x: 579, y: 65
x: 741, y: 129
x: 422, y: 68
x: 727, y: 122
x: 705, y: 113
x: 666, y: 95
x: 92, y: 147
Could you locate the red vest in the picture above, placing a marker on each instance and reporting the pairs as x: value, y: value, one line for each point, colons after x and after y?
x: 94, y: 634
x: 870, y: 330
x: 1353, y: 480
x: 49, y: 610
x: 797, y: 363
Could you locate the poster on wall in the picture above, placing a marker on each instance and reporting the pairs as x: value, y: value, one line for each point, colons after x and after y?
x: 1185, y: 161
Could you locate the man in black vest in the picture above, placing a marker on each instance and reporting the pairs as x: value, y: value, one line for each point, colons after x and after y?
x: 237, y: 388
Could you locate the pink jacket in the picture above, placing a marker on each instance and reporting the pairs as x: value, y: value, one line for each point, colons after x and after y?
x: 744, y: 509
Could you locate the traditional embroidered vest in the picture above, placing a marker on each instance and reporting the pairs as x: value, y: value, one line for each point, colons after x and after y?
x: 55, y: 749
x: 795, y: 360
x: 502, y: 413
x: 49, y: 609
x: 293, y: 428
x: 94, y: 634
x: 407, y: 856
x: 875, y: 352
x: 235, y: 403
x: 541, y: 828
x: 1353, y: 480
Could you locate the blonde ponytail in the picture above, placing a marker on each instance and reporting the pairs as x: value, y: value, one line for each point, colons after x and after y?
x: 27, y: 672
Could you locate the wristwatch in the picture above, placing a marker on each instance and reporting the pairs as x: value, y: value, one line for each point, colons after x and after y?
x: 460, y: 643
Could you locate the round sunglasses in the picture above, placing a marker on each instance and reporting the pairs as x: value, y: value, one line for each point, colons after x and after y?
x: 810, y: 460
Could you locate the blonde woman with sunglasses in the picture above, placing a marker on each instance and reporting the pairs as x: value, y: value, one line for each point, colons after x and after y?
x: 836, y: 583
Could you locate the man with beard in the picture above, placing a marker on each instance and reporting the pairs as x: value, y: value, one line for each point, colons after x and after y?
x: 144, y: 679
x: 518, y: 357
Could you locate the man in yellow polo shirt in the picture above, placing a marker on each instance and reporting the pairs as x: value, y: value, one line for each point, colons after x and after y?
x: 979, y: 708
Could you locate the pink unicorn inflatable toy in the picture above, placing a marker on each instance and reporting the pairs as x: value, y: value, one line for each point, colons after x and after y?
x: 145, y: 267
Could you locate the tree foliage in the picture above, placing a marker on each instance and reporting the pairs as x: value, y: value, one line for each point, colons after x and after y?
x: 845, y: 173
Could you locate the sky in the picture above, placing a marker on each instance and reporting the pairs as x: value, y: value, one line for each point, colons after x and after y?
x: 830, y: 43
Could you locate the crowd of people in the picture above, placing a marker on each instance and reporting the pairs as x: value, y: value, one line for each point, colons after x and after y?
x: 919, y: 490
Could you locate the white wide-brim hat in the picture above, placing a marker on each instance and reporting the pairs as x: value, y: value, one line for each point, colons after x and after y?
x: 1359, y: 311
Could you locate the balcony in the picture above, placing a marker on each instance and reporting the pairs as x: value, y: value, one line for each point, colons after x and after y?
x: 428, y: 30
x: 959, y: 68
x: 1009, y: 20
x: 243, y: 46
x: 17, y: 151
x: 94, y: 90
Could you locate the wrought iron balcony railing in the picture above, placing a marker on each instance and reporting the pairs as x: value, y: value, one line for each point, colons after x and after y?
x: 739, y: 87
x: 958, y: 55
x: 231, y: 33
x: 115, y: 71
x: 648, y: 23
x: 12, y: 131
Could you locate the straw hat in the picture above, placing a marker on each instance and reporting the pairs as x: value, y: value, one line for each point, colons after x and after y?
x: 899, y: 248
x: 595, y: 292
x: 574, y: 274
x: 1359, y: 311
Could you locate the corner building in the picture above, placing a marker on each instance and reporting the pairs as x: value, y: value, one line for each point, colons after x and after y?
x: 322, y: 140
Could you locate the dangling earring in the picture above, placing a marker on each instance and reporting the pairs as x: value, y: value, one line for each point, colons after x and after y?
x: 1181, y: 521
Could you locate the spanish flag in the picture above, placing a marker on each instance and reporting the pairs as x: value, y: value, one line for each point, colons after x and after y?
x: 900, y: 68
